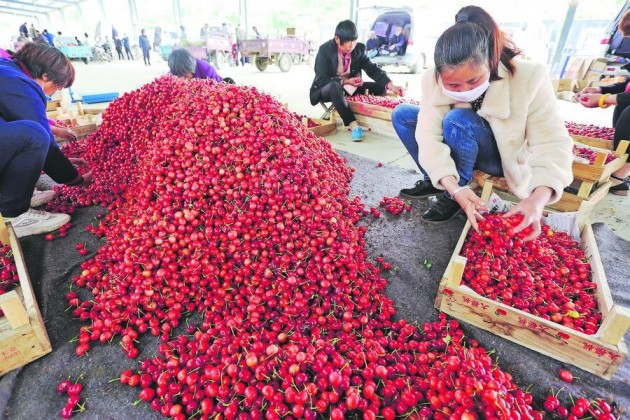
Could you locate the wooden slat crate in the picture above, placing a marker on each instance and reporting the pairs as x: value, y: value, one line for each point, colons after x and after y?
x: 369, y: 110
x: 600, y: 170
x: 600, y: 354
x: 324, y: 127
x: 593, y: 141
x: 568, y: 201
x: 23, y: 337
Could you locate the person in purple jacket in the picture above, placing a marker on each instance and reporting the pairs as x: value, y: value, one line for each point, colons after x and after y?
x: 182, y: 63
x: 27, y: 144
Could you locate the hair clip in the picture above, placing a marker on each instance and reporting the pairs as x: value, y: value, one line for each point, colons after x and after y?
x: 462, y: 17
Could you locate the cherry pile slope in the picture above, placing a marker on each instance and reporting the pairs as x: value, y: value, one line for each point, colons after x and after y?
x: 222, y: 204
x: 590, y: 130
x: 591, y: 155
x: 8, y: 270
x: 549, y: 276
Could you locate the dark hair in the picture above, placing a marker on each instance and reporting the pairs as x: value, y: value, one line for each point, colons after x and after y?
x: 624, y: 24
x: 40, y: 59
x: 181, y: 62
x: 346, y: 31
x: 475, y: 38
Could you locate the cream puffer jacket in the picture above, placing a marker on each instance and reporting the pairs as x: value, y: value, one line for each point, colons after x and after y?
x: 533, y: 142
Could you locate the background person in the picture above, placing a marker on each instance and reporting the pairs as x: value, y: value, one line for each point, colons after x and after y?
x: 27, y: 144
x: 338, y: 69
x: 125, y: 41
x: 145, y: 46
x: 618, y: 95
x: 182, y: 63
x: 372, y: 45
x: 119, y: 46
x: 482, y: 109
x: 396, y: 43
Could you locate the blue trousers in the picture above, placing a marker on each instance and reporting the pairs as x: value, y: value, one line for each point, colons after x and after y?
x: 469, y: 137
x: 23, y: 149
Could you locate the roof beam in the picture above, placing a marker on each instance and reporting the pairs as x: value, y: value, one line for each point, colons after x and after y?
x: 37, y: 12
x: 21, y: 3
x: 32, y: 15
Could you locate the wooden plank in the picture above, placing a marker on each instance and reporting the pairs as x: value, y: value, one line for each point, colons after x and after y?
x: 369, y: 110
x: 615, y: 325
x: 588, y: 244
x: 13, y: 309
x: 4, y: 232
x: 585, y: 189
x: 592, y: 141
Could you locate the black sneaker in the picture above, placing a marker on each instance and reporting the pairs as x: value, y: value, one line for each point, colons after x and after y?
x: 422, y: 189
x: 441, y: 210
x: 622, y: 188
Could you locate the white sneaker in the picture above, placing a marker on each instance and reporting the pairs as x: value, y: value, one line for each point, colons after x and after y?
x: 34, y: 222
x: 40, y: 198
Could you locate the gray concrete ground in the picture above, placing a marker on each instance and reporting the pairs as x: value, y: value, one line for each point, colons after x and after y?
x: 292, y: 89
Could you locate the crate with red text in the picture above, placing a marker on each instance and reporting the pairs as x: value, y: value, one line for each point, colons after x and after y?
x: 600, y: 353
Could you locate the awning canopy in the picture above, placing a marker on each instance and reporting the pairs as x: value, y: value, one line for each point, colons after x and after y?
x: 34, y: 7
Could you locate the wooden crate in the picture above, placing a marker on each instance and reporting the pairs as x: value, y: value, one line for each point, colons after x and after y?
x: 369, y: 110
x: 600, y: 354
x: 84, y: 130
x: 324, y: 127
x: 23, y: 337
x: 600, y: 170
x: 593, y: 141
x: 53, y: 105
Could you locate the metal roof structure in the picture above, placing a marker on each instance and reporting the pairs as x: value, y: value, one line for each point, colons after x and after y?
x: 34, y: 7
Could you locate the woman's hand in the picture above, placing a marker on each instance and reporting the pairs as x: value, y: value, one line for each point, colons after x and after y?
x: 589, y: 100
x: 81, y: 164
x: 471, y: 204
x: 398, y: 90
x: 531, y: 208
x: 597, y: 89
x: 355, y: 81
x: 63, y: 133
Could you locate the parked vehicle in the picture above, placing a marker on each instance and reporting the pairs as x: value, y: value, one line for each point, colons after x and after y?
x: 68, y: 45
x: 412, y: 57
x: 283, y: 52
x: 216, y: 48
x: 617, y: 47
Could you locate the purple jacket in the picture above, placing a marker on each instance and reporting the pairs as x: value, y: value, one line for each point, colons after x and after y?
x: 205, y: 70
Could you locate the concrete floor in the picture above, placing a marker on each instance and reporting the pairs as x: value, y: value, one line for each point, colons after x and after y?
x: 292, y: 89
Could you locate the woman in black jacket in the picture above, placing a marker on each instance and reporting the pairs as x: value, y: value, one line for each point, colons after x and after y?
x: 338, y: 68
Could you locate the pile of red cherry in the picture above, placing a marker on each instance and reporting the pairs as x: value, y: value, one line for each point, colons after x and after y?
x: 73, y: 391
x: 591, y: 155
x: 384, y: 101
x: 395, y: 205
x: 549, y: 276
x: 590, y: 130
x: 8, y: 270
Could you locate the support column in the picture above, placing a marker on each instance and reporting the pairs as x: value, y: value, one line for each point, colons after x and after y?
x: 242, y: 10
x: 133, y: 11
x: 106, y: 28
x: 177, y: 14
x: 562, y: 40
x: 354, y: 6
x: 83, y: 23
x: 65, y: 23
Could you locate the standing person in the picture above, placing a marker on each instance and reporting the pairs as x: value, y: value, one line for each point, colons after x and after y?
x: 157, y: 38
x: 24, y: 30
x: 338, y: 68
x: 204, y: 32
x: 49, y: 37
x: 125, y: 42
x: 39, y: 38
x: 482, y: 108
x: 86, y: 39
x: 182, y: 63
x: 27, y: 144
x: 114, y: 32
x: 182, y: 33
x: 239, y: 37
x: 31, y: 32
x: 119, y: 46
x: 256, y: 33
x: 618, y: 95
x: 145, y: 46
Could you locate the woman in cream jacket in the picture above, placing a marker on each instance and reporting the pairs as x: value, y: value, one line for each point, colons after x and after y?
x: 483, y: 109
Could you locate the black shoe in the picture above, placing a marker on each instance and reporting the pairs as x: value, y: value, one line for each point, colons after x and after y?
x: 622, y: 188
x: 422, y: 189
x: 442, y: 210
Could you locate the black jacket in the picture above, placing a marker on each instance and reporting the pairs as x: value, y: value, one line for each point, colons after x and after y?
x: 327, y: 61
x: 619, y: 89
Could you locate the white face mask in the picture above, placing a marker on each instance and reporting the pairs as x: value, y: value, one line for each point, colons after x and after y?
x: 467, y: 95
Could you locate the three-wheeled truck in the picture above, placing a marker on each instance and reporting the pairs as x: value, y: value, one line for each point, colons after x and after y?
x: 216, y: 48
x: 283, y: 51
x: 70, y: 48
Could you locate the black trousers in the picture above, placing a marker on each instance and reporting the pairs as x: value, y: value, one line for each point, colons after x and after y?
x: 333, y: 92
x: 621, y: 123
x: 120, y: 54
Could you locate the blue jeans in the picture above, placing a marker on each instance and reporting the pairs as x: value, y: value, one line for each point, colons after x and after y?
x: 23, y: 149
x: 469, y: 137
